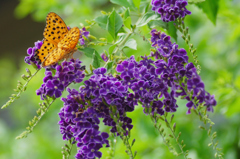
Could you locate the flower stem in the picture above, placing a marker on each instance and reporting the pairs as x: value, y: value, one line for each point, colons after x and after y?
x: 24, y: 87
x: 186, y: 37
x: 42, y: 110
x: 181, y: 146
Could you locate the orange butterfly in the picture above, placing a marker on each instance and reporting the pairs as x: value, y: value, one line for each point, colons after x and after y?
x: 58, y: 42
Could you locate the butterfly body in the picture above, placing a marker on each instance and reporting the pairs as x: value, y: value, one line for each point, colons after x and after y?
x: 58, y: 43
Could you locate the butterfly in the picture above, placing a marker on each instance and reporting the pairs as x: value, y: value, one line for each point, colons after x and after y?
x: 58, y: 42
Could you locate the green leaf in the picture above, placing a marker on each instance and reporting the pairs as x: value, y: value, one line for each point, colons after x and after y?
x: 127, y: 22
x: 127, y: 13
x: 127, y: 19
x: 131, y: 43
x: 149, y: 16
x: 109, y: 67
x: 157, y: 23
x: 102, y: 21
x: 195, y: 1
x: 137, y: 3
x: 114, y: 24
x: 125, y: 3
x: 89, y: 53
x: 96, y: 62
x: 111, y: 48
x: 172, y: 31
x: 144, y: 7
x: 210, y: 7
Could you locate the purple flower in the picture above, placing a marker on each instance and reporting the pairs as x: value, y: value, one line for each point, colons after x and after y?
x: 170, y: 10
x: 104, y: 57
x: 91, y: 150
x: 195, y: 84
x: 140, y: 87
x: 54, y: 88
x: 31, y: 52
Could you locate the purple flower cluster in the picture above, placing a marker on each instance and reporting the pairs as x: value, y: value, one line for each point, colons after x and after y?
x: 79, y: 121
x: 109, y: 96
x: 170, y: 10
x: 66, y: 73
x: 186, y: 81
x: 31, y: 52
x: 143, y: 78
x: 157, y: 84
x: 102, y: 96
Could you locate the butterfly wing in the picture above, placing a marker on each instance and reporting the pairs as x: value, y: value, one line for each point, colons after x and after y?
x: 55, y: 29
x: 66, y: 47
x: 46, y: 48
x: 70, y: 41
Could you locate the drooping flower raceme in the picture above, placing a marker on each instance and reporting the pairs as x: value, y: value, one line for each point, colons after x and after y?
x: 102, y: 96
x: 170, y: 10
x: 81, y: 124
x: 157, y: 84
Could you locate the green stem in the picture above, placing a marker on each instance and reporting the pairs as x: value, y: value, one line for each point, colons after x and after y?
x: 172, y: 149
x: 69, y: 152
x: 25, y: 133
x: 19, y: 93
x: 122, y: 43
x: 174, y: 136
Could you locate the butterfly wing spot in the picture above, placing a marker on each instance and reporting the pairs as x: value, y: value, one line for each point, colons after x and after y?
x: 45, y: 49
x: 54, y: 23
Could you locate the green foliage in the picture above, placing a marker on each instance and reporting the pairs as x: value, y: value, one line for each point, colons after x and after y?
x: 147, y: 17
x: 114, y: 24
x: 20, y: 87
x: 40, y: 112
x: 210, y: 8
x: 218, y: 54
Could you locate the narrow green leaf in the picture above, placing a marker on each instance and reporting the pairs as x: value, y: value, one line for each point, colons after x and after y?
x: 125, y: 3
x: 89, y: 53
x: 131, y: 43
x: 195, y: 1
x: 210, y: 8
x: 144, y: 7
x: 111, y: 48
x: 137, y: 3
x: 109, y: 67
x: 149, y: 16
x: 172, y: 31
x: 102, y: 21
x: 127, y: 13
x: 114, y: 24
x: 96, y: 62
x: 157, y: 23
x: 127, y: 22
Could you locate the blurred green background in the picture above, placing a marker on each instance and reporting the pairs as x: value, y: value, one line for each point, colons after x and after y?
x: 22, y: 23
